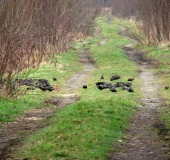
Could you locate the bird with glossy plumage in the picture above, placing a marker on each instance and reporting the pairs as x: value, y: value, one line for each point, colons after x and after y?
x: 102, y: 77
x: 84, y: 86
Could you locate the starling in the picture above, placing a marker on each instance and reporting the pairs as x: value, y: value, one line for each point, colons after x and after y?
x: 166, y: 87
x: 130, y: 89
x: 124, y: 87
x: 49, y: 88
x: 120, y: 84
x: 101, y: 87
x: 114, y: 77
x: 102, y: 77
x: 84, y: 86
x: 113, y: 89
x: 99, y: 83
x: 54, y: 79
x: 128, y: 84
x: 131, y: 79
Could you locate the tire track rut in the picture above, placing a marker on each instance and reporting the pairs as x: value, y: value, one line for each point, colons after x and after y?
x: 143, y: 142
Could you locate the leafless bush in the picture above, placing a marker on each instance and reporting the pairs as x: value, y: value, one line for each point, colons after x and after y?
x: 155, y: 17
x: 19, y: 40
x: 29, y: 28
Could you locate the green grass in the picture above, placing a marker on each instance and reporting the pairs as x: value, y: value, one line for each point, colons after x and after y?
x: 88, y: 129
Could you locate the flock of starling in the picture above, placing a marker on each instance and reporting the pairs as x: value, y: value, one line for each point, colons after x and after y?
x: 32, y: 84
x: 44, y: 85
x: 113, y: 87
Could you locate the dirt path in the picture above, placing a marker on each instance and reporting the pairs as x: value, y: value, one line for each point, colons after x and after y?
x: 79, y: 79
x: 143, y: 142
x: 97, y: 35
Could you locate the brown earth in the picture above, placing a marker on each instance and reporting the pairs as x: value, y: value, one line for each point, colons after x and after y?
x: 147, y: 137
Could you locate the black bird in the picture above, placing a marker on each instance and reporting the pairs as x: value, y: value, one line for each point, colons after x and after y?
x: 114, y: 77
x: 43, y: 88
x: 166, y: 87
x: 124, y: 87
x: 84, y: 86
x: 113, y: 89
x: 108, y: 85
x: 99, y: 83
x: 102, y: 77
x: 131, y: 79
x: 130, y: 89
x: 128, y: 84
x: 101, y: 87
x: 120, y: 84
x: 49, y: 88
x: 54, y: 79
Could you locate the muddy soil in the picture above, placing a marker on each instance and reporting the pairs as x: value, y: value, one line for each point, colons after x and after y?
x: 12, y: 134
x: 147, y: 135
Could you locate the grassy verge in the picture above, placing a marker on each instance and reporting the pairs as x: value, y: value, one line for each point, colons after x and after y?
x: 10, y: 109
x: 87, y: 129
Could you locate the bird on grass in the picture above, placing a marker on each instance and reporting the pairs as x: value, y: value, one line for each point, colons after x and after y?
x: 166, y: 87
x: 84, y: 86
x: 49, y: 88
x: 113, y: 89
x: 114, y: 77
x: 54, y: 79
x: 101, y: 85
x: 131, y: 79
x: 124, y: 87
x: 102, y: 77
x: 130, y: 89
x: 120, y: 84
x: 128, y: 84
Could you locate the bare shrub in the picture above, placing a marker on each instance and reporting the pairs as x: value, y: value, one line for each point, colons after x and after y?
x: 32, y: 30
x: 155, y: 18
x: 19, y: 40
